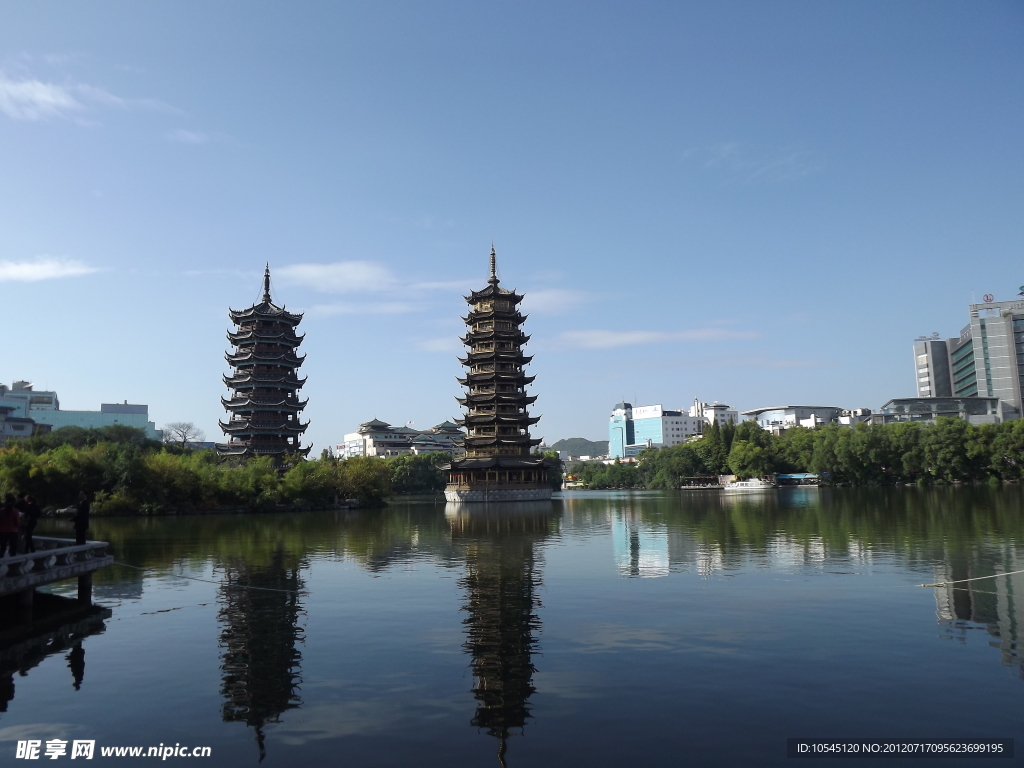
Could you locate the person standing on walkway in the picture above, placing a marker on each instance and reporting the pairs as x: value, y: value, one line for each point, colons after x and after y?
x: 30, y: 514
x: 81, y: 518
x: 9, y: 519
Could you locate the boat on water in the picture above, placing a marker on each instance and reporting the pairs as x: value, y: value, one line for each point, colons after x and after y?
x: 748, y: 486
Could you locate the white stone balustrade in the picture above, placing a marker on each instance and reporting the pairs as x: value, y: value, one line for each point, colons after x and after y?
x: 54, y: 560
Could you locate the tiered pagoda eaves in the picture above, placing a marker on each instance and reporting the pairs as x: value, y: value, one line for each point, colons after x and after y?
x: 264, y: 405
x: 498, y: 465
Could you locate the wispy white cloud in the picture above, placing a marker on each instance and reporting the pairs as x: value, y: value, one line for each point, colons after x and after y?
x: 723, y: 155
x: 794, y: 164
x: 339, y: 277
x: 384, y: 308
x: 239, y: 273
x: 27, y: 98
x: 603, y: 339
x: 460, y: 286
x: 757, y: 361
x: 43, y: 268
x: 362, y: 277
x: 35, y: 100
x: 352, y: 278
x: 553, y: 301
x: 750, y: 167
x: 442, y: 344
x: 195, y: 138
x: 422, y: 221
x: 181, y: 136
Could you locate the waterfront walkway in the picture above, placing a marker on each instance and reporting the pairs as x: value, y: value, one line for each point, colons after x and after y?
x: 53, y: 560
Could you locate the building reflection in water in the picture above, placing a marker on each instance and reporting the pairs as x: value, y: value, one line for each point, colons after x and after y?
x: 503, y: 575
x: 995, y: 603
x: 261, y: 625
x: 56, y: 625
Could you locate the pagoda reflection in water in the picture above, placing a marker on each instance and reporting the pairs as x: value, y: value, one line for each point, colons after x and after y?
x: 503, y: 575
x: 261, y: 616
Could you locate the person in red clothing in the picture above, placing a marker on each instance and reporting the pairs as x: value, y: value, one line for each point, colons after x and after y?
x: 10, y: 519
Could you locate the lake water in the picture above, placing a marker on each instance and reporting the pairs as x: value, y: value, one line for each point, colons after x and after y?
x: 603, y: 628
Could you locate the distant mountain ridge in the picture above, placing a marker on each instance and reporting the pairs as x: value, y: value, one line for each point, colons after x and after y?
x: 580, y: 446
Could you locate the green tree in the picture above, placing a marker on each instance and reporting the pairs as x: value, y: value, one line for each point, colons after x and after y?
x: 794, y: 450
x: 747, y: 459
x: 418, y: 473
x: 1006, y: 450
x: 712, y: 450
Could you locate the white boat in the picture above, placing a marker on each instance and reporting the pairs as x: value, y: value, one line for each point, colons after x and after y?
x: 748, y: 486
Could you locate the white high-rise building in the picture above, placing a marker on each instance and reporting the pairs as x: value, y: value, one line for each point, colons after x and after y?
x: 631, y: 429
x: 986, y: 360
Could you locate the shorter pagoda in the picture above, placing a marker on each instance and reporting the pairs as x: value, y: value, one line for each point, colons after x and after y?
x: 264, y: 404
x: 498, y: 465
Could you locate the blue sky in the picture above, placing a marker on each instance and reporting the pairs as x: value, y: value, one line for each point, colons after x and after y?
x: 754, y: 203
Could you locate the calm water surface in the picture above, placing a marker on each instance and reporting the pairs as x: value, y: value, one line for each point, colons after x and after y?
x: 600, y: 629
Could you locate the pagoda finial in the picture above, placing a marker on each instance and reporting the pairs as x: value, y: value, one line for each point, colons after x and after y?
x: 494, y: 266
x: 266, y: 283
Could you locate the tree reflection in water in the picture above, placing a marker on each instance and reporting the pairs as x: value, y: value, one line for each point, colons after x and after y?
x: 501, y: 583
x: 260, y: 614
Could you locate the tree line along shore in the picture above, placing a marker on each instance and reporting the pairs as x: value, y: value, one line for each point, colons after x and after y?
x: 127, y: 474
x: 923, y: 453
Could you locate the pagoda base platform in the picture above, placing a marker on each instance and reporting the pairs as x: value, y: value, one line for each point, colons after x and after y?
x: 463, y: 494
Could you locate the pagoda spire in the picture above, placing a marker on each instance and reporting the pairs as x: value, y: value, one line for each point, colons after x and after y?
x: 266, y: 283
x: 494, y: 267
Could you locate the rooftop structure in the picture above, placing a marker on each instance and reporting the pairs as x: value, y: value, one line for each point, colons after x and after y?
x: 714, y: 413
x: 37, y: 400
x: 264, y: 404
x: 498, y: 465
x: 976, y: 410
x: 378, y: 438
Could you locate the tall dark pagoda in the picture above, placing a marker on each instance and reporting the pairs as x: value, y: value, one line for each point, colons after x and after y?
x: 264, y: 405
x: 498, y: 465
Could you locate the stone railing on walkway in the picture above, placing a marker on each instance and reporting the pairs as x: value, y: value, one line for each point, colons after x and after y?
x: 53, y: 560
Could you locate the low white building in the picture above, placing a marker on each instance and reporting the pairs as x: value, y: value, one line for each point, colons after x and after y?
x: 777, y: 418
x: 380, y: 439
x: 15, y: 421
x: 44, y: 408
x: 714, y: 413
